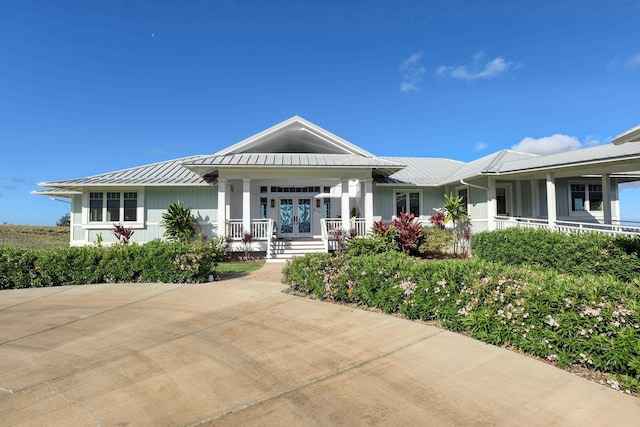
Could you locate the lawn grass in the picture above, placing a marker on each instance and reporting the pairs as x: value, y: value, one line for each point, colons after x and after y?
x: 239, y: 267
x: 33, y: 237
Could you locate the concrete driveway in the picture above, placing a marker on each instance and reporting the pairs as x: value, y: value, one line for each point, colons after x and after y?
x: 240, y: 352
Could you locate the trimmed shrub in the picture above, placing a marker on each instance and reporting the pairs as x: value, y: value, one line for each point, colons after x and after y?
x: 585, y: 253
x: 157, y: 261
x: 371, y: 244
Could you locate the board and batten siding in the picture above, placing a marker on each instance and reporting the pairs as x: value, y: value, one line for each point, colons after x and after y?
x: 201, y: 200
x: 384, y: 200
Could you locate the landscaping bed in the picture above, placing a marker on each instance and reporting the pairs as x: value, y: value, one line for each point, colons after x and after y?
x: 586, y: 323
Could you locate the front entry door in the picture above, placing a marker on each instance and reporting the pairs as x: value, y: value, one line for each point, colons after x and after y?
x: 295, y: 217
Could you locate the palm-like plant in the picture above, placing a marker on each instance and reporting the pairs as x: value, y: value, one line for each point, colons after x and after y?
x: 456, y: 212
x: 179, y: 223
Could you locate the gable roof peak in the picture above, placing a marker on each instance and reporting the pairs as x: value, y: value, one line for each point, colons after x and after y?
x: 295, y: 135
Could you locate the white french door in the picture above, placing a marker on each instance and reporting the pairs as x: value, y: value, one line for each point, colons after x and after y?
x: 294, y: 217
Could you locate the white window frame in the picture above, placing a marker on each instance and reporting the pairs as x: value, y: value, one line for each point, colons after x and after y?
x: 407, y: 191
x: 587, y: 211
x: 86, y: 212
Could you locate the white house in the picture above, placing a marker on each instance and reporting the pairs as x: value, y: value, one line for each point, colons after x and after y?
x: 295, y: 182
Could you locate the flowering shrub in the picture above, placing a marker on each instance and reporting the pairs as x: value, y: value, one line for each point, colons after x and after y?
x: 592, y: 321
x: 157, y: 261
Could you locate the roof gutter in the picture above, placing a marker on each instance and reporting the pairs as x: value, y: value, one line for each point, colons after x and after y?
x: 463, y: 182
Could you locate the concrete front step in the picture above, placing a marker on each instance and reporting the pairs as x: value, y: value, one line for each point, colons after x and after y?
x: 286, y: 249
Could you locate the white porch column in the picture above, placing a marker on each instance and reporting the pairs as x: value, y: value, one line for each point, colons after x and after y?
x: 606, y: 197
x: 368, y: 203
x: 492, y: 204
x: 222, y: 207
x: 552, y: 214
x: 246, y: 205
x: 344, y: 213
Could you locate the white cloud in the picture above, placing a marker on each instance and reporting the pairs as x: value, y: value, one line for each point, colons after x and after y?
x: 481, y: 146
x: 412, y: 72
x: 629, y: 64
x: 557, y: 143
x: 478, y: 69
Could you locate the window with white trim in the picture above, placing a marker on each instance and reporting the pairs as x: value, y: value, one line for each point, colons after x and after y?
x: 408, y: 201
x: 586, y: 197
x: 464, y: 193
x: 119, y: 206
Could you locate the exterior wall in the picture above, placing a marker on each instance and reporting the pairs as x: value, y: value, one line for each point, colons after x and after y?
x: 432, y: 200
x: 202, y: 201
x: 384, y: 203
x: 562, y: 197
x: 525, y: 198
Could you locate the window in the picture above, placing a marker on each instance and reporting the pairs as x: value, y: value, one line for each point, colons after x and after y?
x: 119, y: 206
x: 408, y: 202
x: 130, y: 206
x: 263, y: 207
x: 464, y: 193
x: 326, y: 207
x: 595, y: 197
x: 113, y: 206
x: 95, y: 207
x: 586, y: 197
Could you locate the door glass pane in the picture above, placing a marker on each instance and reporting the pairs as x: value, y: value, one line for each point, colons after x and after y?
x: 401, y: 203
x: 304, y: 215
x: 286, y: 215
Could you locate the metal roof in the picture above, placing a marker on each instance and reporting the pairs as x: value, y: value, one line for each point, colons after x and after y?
x: 487, y: 164
x: 267, y: 160
x: 422, y: 171
x: 56, y: 192
x: 170, y: 172
x: 586, y: 156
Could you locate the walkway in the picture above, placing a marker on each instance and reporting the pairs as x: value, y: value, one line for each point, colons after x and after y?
x: 240, y: 352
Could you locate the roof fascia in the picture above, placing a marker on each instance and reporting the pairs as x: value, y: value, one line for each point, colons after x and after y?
x: 632, y: 135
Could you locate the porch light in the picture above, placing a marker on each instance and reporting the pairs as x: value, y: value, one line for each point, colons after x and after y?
x: 317, y: 203
x: 273, y: 203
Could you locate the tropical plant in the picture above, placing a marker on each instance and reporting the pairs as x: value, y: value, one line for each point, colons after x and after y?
x: 408, y: 232
x: 438, y: 219
x: 247, y: 238
x: 179, y: 223
x: 456, y: 212
x: 122, y: 233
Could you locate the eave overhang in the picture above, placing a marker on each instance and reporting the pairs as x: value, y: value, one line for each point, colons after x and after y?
x: 632, y: 135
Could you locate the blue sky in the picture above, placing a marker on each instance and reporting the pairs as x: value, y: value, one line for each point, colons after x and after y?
x: 88, y: 87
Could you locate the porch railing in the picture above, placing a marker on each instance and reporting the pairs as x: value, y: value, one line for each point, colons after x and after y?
x: 567, y: 226
x: 261, y: 229
x: 330, y: 227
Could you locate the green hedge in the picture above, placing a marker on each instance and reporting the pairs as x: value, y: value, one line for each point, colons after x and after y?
x: 157, y: 261
x: 587, y: 253
x: 591, y: 320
